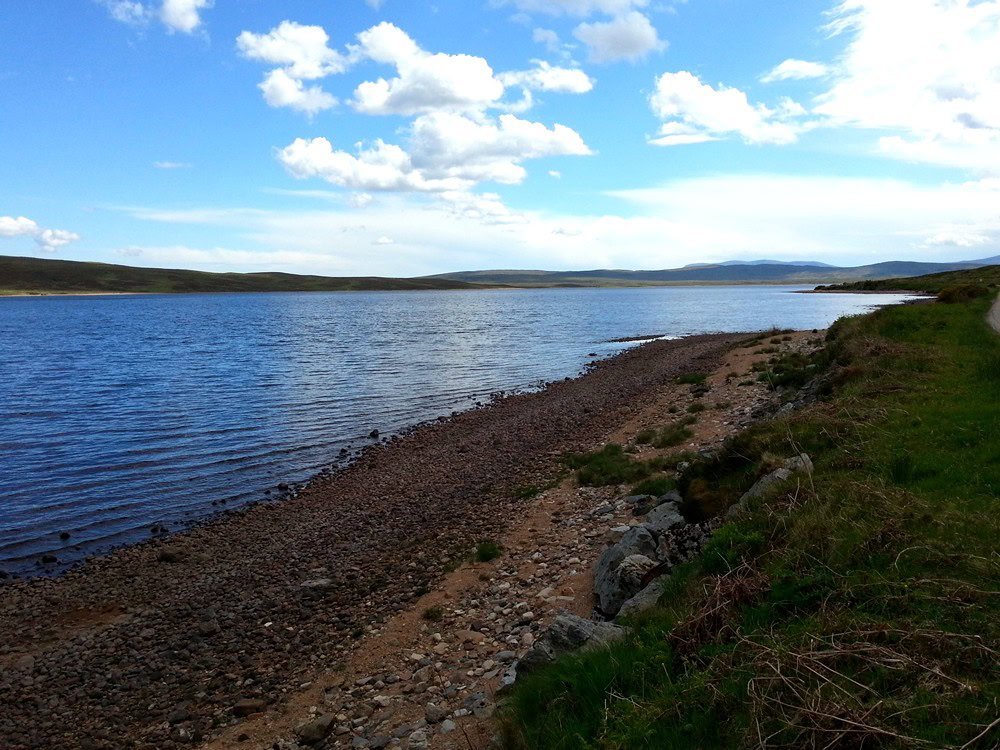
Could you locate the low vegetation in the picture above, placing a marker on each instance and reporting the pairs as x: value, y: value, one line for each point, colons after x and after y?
x: 855, y: 608
x: 934, y: 283
x: 488, y: 550
x: 45, y: 276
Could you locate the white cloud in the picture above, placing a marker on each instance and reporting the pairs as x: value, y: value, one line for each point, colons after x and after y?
x: 128, y: 11
x: 957, y: 238
x: 302, y: 51
x: 304, y: 55
x: 375, y: 4
x: 547, y: 37
x: 19, y: 226
x: 425, y: 81
x: 627, y: 37
x: 926, y: 69
x: 281, y: 90
x: 172, y: 165
x: 555, y: 174
x: 546, y: 77
x: 696, y: 112
x: 48, y: 240
x: 360, y: 200
x: 383, y: 240
x: 792, y: 69
x: 447, y: 152
x: 580, y: 8
x: 183, y: 15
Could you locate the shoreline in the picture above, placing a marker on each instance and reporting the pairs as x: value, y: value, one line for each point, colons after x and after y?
x: 373, y: 537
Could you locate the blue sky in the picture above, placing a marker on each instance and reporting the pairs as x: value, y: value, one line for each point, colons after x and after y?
x: 405, y: 137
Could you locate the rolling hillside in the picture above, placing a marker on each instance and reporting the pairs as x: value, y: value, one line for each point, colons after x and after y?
x: 42, y: 276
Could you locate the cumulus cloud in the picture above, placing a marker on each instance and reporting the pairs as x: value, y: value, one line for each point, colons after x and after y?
x: 383, y: 240
x: 183, y: 15
x: 579, y: 8
x: 172, y: 165
x: 630, y: 36
x: 48, y: 240
x: 425, y: 81
x: 304, y: 55
x: 792, y: 69
x: 129, y: 12
x: 547, y: 77
x: 695, y: 112
x: 447, y: 152
x: 375, y: 4
x: 936, y: 85
x: 547, y: 37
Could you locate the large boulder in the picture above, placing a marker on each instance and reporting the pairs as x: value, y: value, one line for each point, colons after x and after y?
x: 566, y: 634
x: 664, y: 518
x: 636, y: 541
x: 645, y: 599
x: 797, y: 464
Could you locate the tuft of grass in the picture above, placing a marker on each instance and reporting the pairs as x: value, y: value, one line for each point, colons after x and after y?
x: 610, y: 466
x: 645, y: 437
x: 840, y: 610
x: 696, y: 407
x: 692, y: 378
x: 488, y: 550
x: 434, y: 613
x: 655, y: 486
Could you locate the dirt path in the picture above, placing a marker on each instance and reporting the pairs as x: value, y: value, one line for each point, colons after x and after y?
x: 444, y: 655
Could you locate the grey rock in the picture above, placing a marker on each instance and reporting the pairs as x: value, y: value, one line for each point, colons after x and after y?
x: 664, y: 518
x: 636, y: 541
x: 316, y: 730
x: 566, y: 634
x: 418, y: 740
x: 318, y: 583
x: 448, y: 726
x: 377, y: 743
x: 25, y: 663
x: 638, y: 499
x: 248, y: 706
x: 801, y: 463
x: 360, y: 742
x: 644, y: 600
x: 671, y: 497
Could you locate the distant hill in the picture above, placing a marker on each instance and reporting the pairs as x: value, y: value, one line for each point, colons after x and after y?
x: 988, y: 276
x: 720, y: 273
x: 44, y: 276
x: 762, y: 263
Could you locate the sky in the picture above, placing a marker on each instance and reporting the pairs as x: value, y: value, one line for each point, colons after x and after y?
x: 407, y: 137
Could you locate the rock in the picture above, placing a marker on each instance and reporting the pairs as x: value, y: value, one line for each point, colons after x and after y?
x: 377, y: 743
x: 671, y: 497
x: 373, y: 434
x: 506, y: 657
x: 249, y: 706
x: 317, y: 583
x: 801, y: 463
x: 178, y: 715
x: 316, y: 730
x: 49, y: 559
x: 448, y: 726
x: 417, y: 740
x: 638, y: 499
x: 566, y: 634
x: 25, y: 663
x: 64, y: 535
x: 637, y: 541
x: 469, y: 636
x: 629, y: 581
x: 360, y: 742
x: 645, y: 599
x: 615, y: 534
x: 664, y: 518
x: 434, y: 714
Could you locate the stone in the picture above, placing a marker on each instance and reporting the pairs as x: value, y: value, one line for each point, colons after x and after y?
x: 664, y: 518
x: 360, y: 742
x: 448, y: 726
x: 644, y: 600
x: 671, y: 497
x: 637, y: 541
x: 566, y: 634
x: 317, y: 583
x: 171, y: 555
x: 248, y: 706
x: 25, y: 663
x: 801, y: 463
x: 434, y: 714
x: 316, y: 730
x: 417, y: 740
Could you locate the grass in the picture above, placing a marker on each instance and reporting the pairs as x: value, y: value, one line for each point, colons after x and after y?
x: 656, y: 486
x: 858, y: 609
x: 696, y: 407
x: 692, y: 378
x: 434, y: 613
x: 933, y: 283
x: 610, y: 466
x: 488, y: 550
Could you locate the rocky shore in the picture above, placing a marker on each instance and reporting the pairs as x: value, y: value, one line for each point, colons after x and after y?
x: 174, y: 643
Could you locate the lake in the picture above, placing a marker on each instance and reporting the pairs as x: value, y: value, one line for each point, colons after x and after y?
x: 121, y: 412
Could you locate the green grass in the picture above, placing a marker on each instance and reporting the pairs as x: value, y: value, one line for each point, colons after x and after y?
x: 933, y: 283
x: 47, y: 276
x: 610, y: 466
x: 434, y: 613
x: 488, y: 550
x: 655, y: 486
x: 859, y: 609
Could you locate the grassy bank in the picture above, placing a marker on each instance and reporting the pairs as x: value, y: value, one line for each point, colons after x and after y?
x: 857, y: 608
x: 43, y: 276
x: 933, y: 283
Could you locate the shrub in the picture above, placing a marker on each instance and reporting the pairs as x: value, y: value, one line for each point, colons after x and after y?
x: 488, y: 550
x: 964, y: 293
x: 696, y: 407
x: 656, y: 486
x: 434, y: 614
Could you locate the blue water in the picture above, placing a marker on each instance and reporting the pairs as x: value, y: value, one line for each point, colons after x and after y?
x: 118, y: 412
